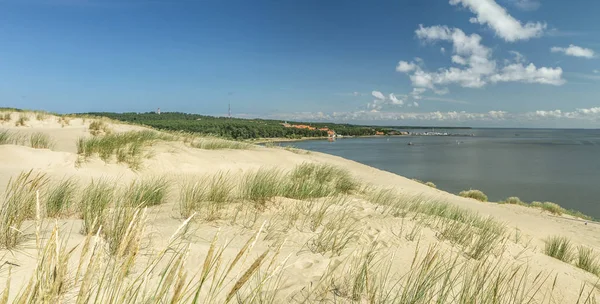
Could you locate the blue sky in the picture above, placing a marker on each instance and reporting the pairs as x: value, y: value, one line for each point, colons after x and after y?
x: 447, y: 62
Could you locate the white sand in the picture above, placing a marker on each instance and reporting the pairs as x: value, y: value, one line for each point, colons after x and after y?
x: 174, y: 159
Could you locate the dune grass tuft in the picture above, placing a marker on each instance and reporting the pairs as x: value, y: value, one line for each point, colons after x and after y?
x: 553, y: 208
x: 147, y: 192
x: 219, y: 144
x: 206, y: 194
x: 5, y: 117
x: 336, y: 234
x: 513, y: 200
x: 95, y: 198
x: 18, y: 205
x: 126, y: 147
x: 41, y: 115
x: 39, y: 140
x: 123, y: 227
x: 261, y: 185
x: 559, y: 248
x: 430, y: 184
x: 9, y: 138
x: 587, y: 260
x: 21, y: 121
x: 99, y: 127
x: 60, y: 197
x: 474, y: 194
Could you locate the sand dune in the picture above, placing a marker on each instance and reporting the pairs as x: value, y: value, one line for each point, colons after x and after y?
x: 299, y: 268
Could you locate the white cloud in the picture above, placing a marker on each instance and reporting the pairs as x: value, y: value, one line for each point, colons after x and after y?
x: 529, y: 74
x: 596, y: 71
x: 526, y: 5
x: 394, y: 100
x: 416, y: 104
x: 478, y: 68
x: 519, y: 58
x: 580, y: 116
x: 378, y: 95
x: 443, y: 50
x: 575, y: 51
x: 497, y: 18
x: 406, y: 67
x: 356, y: 94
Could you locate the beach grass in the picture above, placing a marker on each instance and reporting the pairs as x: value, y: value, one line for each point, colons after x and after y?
x: 5, y: 117
x: 208, y: 143
x: 41, y: 115
x: 261, y: 185
x: 207, y: 195
x: 8, y: 137
x: 122, y: 228
x: 559, y: 248
x: 513, y: 200
x: 22, y: 120
x: 95, y: 198
x: 336, y: 234
x: 99, y: 127
x: 430, y: 184
x: 474, y: 194
x: 553, y: 208
x: 39, y: 140
x: 60, y: 197
x: 128, y: 147
x: 146, y: 192
x: 587, y: 260
x: 19, y: 204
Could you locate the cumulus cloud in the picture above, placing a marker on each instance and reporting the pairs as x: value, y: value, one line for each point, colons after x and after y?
x: 406, y: 67
x: 529, y: 74
x: 443, y: 50
x: 490, y: 13
x: 381, y: 100
x: 575, y: 51
x: 394, y: 100
x: 477, y: 67
x: 596, y: 71
x: 378, y: 95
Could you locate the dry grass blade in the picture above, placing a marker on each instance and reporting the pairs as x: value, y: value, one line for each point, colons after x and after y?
x: 246, y: 276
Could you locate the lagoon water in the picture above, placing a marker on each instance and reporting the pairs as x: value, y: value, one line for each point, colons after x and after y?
x: 562, y: 166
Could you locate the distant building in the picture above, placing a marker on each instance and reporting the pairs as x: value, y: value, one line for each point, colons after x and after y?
x: 158, y: 111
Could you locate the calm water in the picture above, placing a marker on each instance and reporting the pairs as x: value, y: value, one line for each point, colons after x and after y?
x: 561, y: 166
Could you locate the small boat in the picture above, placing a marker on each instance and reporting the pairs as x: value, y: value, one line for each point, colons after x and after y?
x: 410, y: 143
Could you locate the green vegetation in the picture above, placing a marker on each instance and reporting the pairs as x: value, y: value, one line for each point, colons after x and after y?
x: 8, y: 138
x: 236, y: 128
x: 19, y: 204
x: 23, y: 118
x: 559, y: 248
x: 96, y: 197
x: 147, y: 192
x: 99, y: 127
x: 587, y: 260
x: 553, y: 208
x: 474, y: 194
x: 430, y: 184
x: 513, y: 200
x: 5, y: 117
x: 126, y: 147
x: 60, y: 197
x: 218, y: 144
x: 206, y: 194
x: 39, y: 140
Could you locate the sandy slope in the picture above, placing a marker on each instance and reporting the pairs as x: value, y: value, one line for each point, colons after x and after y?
x: 303, y: 267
